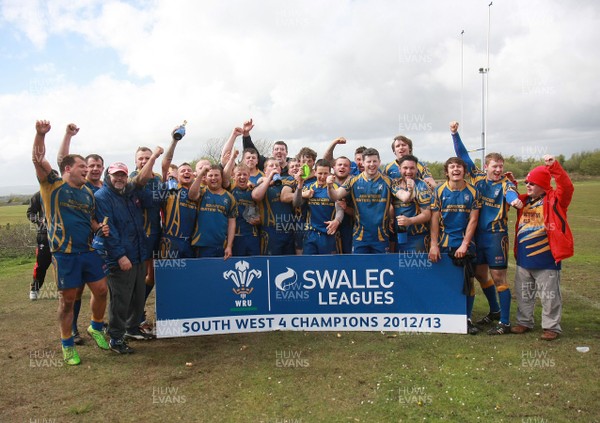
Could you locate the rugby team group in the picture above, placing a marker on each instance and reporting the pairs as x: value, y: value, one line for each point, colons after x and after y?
x: 104, y: 227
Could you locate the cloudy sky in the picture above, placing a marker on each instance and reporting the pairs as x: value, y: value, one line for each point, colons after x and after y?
x: 307, y: 72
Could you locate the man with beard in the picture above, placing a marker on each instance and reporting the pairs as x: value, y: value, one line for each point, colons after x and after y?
x: 412, y: 213
x: 124, y: 251
x: 402, y: 146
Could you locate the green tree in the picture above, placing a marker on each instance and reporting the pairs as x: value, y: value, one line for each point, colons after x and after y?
x: 437, y: 170
x: 590, y: 165
x: 574, y: 162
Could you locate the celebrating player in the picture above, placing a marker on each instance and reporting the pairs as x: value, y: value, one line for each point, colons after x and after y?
x: 70, y: 210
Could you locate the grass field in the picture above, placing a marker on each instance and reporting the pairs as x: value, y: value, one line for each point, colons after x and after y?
x: 345, y: 377
x: 11, y: 215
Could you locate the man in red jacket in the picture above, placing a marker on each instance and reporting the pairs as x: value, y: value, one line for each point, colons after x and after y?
x: 542, y: 240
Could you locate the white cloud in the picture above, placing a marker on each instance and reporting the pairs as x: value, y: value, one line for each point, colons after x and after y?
x: 308, y: 72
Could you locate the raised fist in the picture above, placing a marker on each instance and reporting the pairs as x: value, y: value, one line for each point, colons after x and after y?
x: 454, y: 127
x: 549, y: 160
x: 72, y: 129
x: 42, y: 127
x: 158, y: 151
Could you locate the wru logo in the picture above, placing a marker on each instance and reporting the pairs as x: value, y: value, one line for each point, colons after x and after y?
x: 242, y: 278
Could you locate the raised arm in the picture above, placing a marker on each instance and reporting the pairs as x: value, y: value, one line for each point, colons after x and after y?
x: 38, y: 153
x: 228, y: 169
x: 194, y: 192
x: 460, y: 149
x: 564, y: 185
x: 328, y: 155
x: 65, y: 145
x: 247, y: 143
x: 142, y: 178
x: 168, y: 157
x: 229, y: 145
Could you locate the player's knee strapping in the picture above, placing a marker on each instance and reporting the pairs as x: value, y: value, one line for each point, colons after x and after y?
x: 487, y: 284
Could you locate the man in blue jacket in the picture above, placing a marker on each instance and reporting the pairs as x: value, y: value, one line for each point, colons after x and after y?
x: 124, y: 251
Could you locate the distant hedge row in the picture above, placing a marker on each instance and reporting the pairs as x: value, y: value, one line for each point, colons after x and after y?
x: 585, y: 163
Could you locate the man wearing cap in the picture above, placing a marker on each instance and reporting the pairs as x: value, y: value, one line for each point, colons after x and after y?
x: 542, y: 240
x: 124, y: 251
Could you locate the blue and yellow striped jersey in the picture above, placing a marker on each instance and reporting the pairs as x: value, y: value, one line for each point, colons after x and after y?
x: 533, y: 248
x: 455, y: 208
x: 69, y: 213
x: 372, y: 199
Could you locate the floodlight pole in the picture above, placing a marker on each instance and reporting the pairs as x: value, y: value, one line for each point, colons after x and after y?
x: 483, y: 72
x: 485, y: 88
x: 462, y: 79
